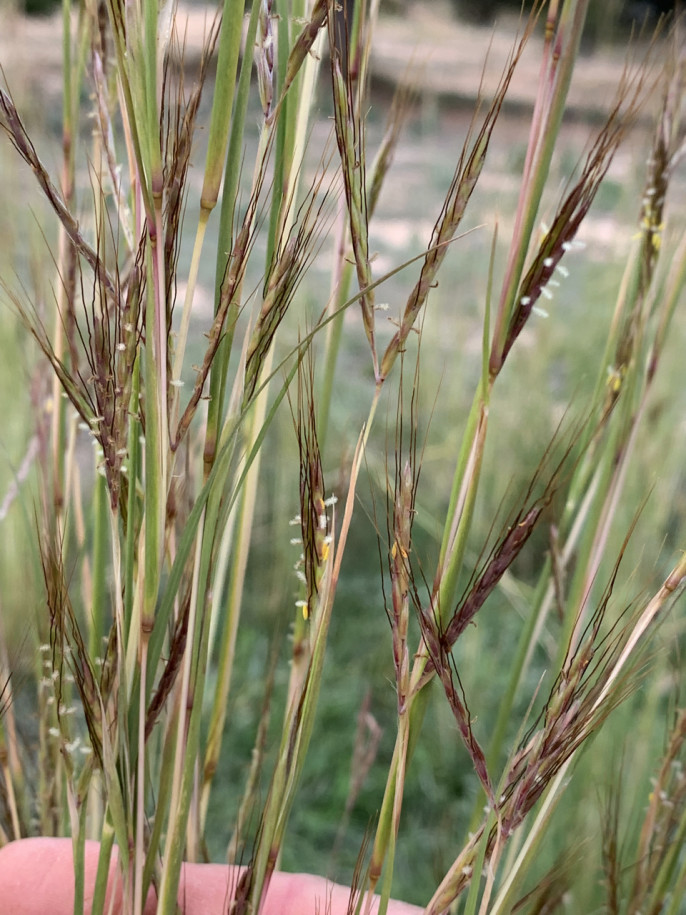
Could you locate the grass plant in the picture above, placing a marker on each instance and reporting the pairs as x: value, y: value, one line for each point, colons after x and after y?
x: 141, y: 642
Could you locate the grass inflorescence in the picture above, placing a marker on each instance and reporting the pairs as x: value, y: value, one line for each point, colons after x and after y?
x: 163, y: 556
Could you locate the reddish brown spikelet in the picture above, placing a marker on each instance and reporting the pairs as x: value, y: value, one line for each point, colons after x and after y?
x: 314, y: 524
x: 68, y: 646
x: 351, y: 148
x: 465, y: 178
x: 226, y: 312
x: 286, y: 271
x: 180, y: 114
x: 172, y: 667
x: 443, y: 665
x: 399, y: 564
x: 304, y: 41
x: 507, y: 551
x: 666, y: 806
x: 569, y: 216
x: 264, y: 57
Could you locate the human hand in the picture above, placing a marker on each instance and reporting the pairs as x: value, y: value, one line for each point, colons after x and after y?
x: 37, y: 878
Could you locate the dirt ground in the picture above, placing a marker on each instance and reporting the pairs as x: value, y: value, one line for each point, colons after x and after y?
x: 443, y: 57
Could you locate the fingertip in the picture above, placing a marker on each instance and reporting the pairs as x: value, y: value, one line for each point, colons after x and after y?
x: 27, y: 869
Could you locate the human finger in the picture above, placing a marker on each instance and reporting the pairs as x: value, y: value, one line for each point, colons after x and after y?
x: 37, y: 877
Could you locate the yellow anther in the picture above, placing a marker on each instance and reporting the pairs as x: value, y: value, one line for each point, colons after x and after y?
x: 398, y: 548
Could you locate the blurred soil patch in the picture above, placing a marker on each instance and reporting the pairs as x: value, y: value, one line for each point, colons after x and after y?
x: 445, y: 59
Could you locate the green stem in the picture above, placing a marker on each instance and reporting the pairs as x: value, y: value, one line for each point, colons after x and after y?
x: 103, y: 871
x: 220, y: 366
x: 96, y: 619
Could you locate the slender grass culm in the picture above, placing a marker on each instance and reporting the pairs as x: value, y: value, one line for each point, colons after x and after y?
x: 532, y: 633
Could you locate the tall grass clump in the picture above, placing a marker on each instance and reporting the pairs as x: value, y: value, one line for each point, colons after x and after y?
x: 147, y: 544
